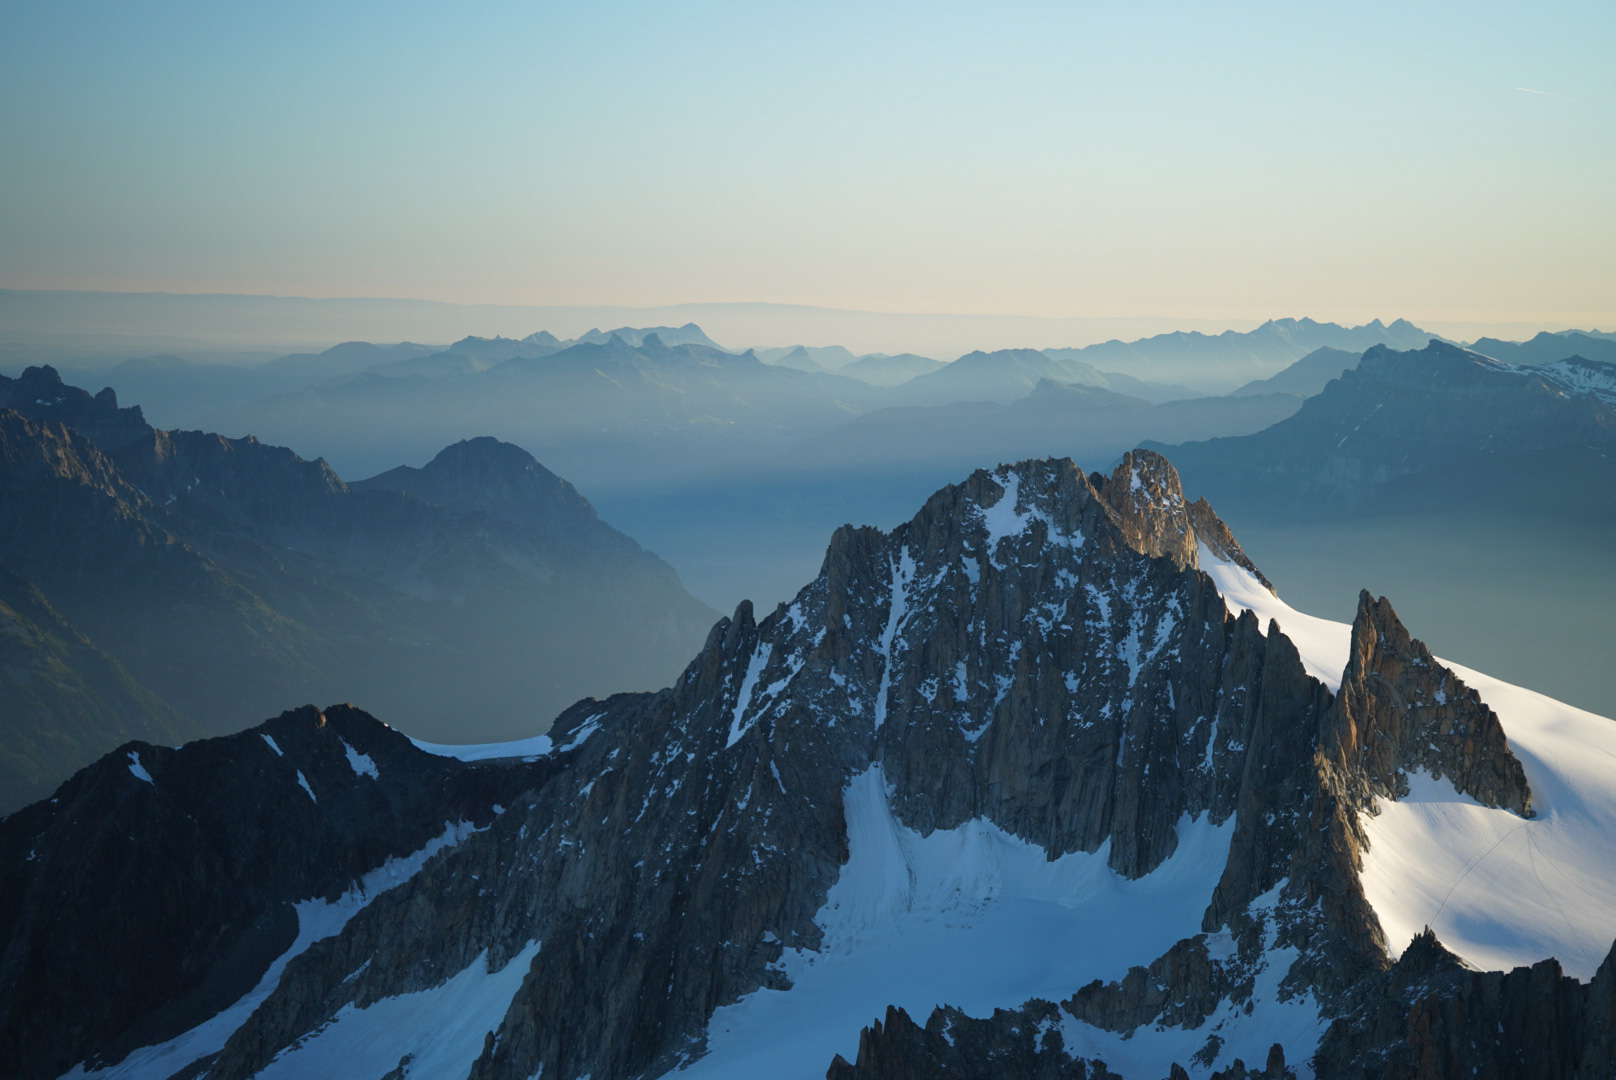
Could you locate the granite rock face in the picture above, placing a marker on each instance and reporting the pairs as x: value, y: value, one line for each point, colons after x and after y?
x: 1037, y: 649
x: 1025, y: 1043
x: 1432, y: 1018
x: 1400, y: 709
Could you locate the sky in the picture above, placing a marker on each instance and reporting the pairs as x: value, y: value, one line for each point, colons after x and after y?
x: 1444, y: 162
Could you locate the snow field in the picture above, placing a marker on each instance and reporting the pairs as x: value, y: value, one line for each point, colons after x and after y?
x: 971, y: 917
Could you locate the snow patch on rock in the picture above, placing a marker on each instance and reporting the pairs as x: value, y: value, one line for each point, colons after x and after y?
x: 139, y: 770
x: 362, y: 764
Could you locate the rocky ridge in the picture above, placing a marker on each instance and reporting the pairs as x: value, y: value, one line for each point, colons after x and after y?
x: 1037, y: 649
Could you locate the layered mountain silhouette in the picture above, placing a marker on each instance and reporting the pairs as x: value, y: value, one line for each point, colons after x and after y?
x: 738, y: 410
x: 1439, y: 428
x: 1046, y: 781
x: 1217, y: 363
x: 1546, y: 348
x: 217, y: 577
x: 1304, y: 378
x: 616, y: 413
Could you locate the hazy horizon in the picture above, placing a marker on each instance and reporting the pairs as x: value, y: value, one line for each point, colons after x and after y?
x: 1033, y: 161
x: 115, y: 325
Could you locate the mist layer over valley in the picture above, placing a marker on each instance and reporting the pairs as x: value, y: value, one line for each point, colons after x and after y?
x: 735, y: 466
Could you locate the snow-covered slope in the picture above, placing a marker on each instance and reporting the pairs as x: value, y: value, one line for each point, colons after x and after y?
x: 1499, y: 890
x: 317, y: 920
x: 971, y: 917
x: 1579, y: 376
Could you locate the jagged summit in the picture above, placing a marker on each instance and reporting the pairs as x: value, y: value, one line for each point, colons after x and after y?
x: 39, y: 393
x: 1049, y: 748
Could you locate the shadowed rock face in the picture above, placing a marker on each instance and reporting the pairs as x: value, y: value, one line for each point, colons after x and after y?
x: 40, y: 394
x: 1037, y: 648
x: 1021, y: 1043
x: 158, y: 884
x: 1431, y: 1018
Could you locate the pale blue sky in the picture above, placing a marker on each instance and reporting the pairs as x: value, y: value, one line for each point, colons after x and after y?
x: 1199, y: 160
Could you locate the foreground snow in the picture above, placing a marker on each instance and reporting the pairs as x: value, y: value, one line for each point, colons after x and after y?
x: 1499, y: 890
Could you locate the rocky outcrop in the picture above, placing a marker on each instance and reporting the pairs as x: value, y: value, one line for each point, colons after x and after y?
x: 1145, y: 494
x: 1180, y: 988
x: 1023, y: 1043
x: 1431, y: 1018
x: 1019, y: 1044
x: 39, y: 394
x: 1399, y: 709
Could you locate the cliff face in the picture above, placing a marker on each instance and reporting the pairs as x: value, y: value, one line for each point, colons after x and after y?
x: 1036, y: 662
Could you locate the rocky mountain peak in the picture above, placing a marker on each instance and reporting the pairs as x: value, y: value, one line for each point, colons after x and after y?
x: 1145, y: 494
x: 40, y: 393
x: 1401, y: 710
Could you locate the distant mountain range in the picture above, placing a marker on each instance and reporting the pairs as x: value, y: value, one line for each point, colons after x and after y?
x: 877, y: 369
x: 1161, y: 368
x: 1011, y: 374
x: 1088, y: 422
x: 637, y: 425
x: 202, y: 580
x: 1217, y: 363
x: 1546, y: 348
x: 1441, y: 427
